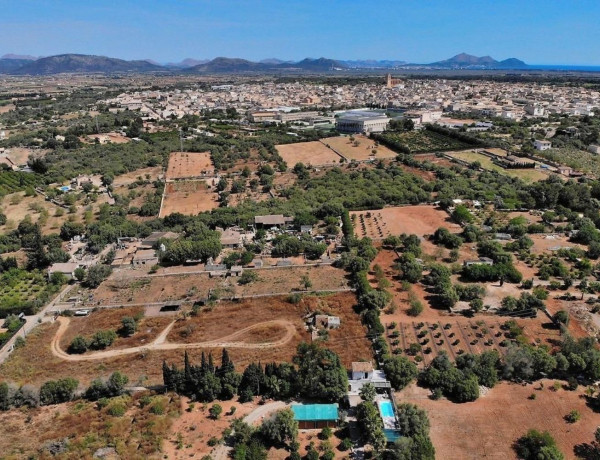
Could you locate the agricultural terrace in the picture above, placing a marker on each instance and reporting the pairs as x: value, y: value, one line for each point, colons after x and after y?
x: 487, y: 427
x: 314, y: 153
x: 435, y: 330
x: 22, y: 291
x: 265, y: 329
x: 419, y: 220
x: 15, y: 181
x: 188, y: 165
x: 188, y: 198
x: 422, y: 141
x: 574, y: 158
x: 456, y: 335
x: 526, y: 175
x: 359, y: 148
x: 121, y: 291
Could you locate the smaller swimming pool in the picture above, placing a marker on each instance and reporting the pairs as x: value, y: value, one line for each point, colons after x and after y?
x: 386, y: 408
x: 64, y: 188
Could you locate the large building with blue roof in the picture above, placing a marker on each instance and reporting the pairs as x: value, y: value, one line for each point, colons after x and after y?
x: 315, y: 416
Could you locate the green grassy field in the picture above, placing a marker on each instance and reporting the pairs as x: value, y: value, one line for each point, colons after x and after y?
x: 526, y: 175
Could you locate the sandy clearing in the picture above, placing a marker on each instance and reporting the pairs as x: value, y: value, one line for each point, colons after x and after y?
x: 419, y: 220
x: 486, y: 428
x: 189, y: 164
x: 359, y: 149
x: 313, y: 153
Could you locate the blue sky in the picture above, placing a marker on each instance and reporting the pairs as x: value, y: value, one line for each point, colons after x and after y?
x: 537, y: 31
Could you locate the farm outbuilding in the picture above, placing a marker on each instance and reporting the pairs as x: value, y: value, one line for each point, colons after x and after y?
x: 315, y: 416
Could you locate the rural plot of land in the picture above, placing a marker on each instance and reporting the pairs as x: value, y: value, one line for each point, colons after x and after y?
x: 188, y: 198
x: 527, y: 175
x: 251, y: 325
x: 360, y: 149
x: 424, y: 140
x: 310, y: 153
x: 189, y: 287
x: 189, y: 164
x: 419, y: 220
x: 486, y: 428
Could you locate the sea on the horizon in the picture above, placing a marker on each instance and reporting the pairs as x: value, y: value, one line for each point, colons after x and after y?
x: 577, y: 68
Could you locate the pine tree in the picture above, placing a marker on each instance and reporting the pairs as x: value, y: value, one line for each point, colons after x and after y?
x: 211, y: 364
x: 167, y: 377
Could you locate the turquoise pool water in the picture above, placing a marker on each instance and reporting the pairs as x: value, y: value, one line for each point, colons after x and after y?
x: 386, y: 409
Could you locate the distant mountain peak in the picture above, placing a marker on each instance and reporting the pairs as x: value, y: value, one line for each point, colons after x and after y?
x: 80, y: 63
x: 463, y: 60
x: 237, y: 65
x: 19, y: 57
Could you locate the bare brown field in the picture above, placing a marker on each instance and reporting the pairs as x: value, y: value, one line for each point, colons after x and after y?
x: 362, y: 152
x: 189, y: 164
x: 433, y: 158
x: 131, y: 177
x: 543, y: 243
x: 148, y: 328
x: 19, y: 155
x: 105, y: 138
x: 349, y: 341
x: 119, y: 290
x: 486, y: 428
x: 310, y: 153
x: 35, y: 363
x: 6, y: 108
x: 419, y: 220
x: 188, y: 198
x: 425, y: 175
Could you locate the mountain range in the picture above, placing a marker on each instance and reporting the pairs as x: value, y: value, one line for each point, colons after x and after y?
x: 466, y: 61
x: 82, y: 63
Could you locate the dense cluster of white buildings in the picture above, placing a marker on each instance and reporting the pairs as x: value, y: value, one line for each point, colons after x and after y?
x: 426, y: 99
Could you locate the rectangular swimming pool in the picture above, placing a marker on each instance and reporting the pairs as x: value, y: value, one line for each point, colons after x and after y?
x: 386, y: 408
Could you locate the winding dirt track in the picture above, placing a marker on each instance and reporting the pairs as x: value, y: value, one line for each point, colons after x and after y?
x: 160, y: 343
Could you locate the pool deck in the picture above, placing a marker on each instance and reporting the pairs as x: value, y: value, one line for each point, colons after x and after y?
x: 389, y: 422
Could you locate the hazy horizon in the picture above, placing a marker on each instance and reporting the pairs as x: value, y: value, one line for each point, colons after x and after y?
x: 539, y: 32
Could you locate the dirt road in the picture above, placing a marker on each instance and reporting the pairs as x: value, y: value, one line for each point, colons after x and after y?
x: 160, y: 343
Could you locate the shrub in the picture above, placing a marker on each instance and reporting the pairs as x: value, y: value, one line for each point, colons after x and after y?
x: 416, y: 308
x: 325, y: 433
x: 158, y: 407
x: 346, y: 444
x: 537, y: 445
x: 102, y: 339
x: 58, y: 391
x: 117, y: 409
x: 573, y: 416
x: 248, y: 277
x: 215, y: 411
x: 78, y: 345
x: 128, y: 326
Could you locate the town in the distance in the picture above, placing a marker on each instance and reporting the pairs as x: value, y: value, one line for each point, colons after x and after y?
x: 314, y: 259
